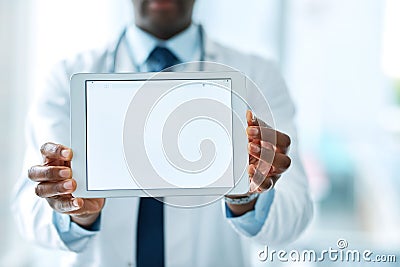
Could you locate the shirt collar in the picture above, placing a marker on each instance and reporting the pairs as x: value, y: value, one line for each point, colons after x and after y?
x: 185, y: 45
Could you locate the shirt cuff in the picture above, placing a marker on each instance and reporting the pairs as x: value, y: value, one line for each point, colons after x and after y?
x: 252, y: 221
x: 74, y: 236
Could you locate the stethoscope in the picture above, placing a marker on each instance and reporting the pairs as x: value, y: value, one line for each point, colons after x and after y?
x: 122, y: 37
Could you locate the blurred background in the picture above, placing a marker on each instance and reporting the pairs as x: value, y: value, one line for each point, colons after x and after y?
x: 340, y: 59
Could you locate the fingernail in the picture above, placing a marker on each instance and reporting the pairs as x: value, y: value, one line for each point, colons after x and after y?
x: 65, y: 173
x: 249, y: 116
x: 66, y: 153
x: 68, y: 185
x: 254, y: 148
x: 252, y: 131
x: 75, y: 202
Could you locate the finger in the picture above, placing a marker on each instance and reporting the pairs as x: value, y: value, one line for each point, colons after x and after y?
x: 254, y: 121
x: 250, y: 122
x: 270, y: 135
x: 259, y: 176
x: 267, y: 158
x: 49, y: 173
x: 56, y: 151
x: 261, y: 153
x: 261, y: 183
x: 280, y: 163
x: 252, y: 160
x: 263, y: 167
x: 64, y: 204
x: 268, y: 183
x: 280, y: 140
x: 51, y: 189
x: 88, y: 206
x: 257, y: 179
x: 250, y: 118
x: 251, y: 170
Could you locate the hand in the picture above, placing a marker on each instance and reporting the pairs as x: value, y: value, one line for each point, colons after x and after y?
x: 268, y: 159
x: 56, y: 185
x: 267, y: 154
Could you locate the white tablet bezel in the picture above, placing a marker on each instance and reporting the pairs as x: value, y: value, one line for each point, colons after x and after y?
x: 78, y: 134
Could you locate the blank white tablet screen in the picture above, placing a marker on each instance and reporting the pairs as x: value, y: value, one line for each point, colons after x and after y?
x: 107, y: 103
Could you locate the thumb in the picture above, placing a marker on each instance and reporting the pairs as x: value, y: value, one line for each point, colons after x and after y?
x: 251, y: 121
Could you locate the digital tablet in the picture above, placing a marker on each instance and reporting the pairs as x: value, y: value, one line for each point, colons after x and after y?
x: 159, y: 134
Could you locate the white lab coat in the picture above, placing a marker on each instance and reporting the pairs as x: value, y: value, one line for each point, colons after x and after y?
x: 194, y: 237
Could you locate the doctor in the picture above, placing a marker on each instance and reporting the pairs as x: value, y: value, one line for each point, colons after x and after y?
x: 100, y: 232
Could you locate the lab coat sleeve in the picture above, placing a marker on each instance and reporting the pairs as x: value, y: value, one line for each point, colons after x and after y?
x: 286, y: 215
x: 48, y: 121
x: 74, y: 236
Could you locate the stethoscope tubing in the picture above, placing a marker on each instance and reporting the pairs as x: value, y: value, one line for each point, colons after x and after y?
x: 122, y: 37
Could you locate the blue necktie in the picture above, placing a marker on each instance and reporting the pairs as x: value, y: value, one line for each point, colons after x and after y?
x: 161, y: 58
x: 150, y: 228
